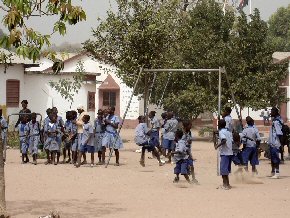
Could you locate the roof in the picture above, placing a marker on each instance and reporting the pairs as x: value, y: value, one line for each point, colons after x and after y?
x: 281, y: 56
x: 15, y: 59
x: 109, y: 83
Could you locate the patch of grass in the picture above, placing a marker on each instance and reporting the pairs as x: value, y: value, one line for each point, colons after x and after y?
x: 13, y: 140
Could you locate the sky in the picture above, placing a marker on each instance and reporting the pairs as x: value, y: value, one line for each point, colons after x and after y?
x: 97, y: 8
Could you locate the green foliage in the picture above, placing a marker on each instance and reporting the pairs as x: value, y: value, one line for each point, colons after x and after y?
x: 279, y: 29
x: 13, y: 140
x: 27, y: 41
x: 67, y: 88
x: 206, y: 130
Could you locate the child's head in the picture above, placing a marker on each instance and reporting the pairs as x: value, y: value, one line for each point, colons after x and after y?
x: 86, y: 118
x: 222, y: 124
x: 24, y: 104
x: 54, y: 110
x: 164, y: 116
x: 169, y: 115
x: 111, y: 110
x: 250, y: 121
x: 100, y: 113
x: 68, y: 115
x: 23, y: 119
x: 274, y: 112
x: 48, y: 111
x: 227, y: 111
x: 152, y: 114
x: 105, y: 111
x: 74, y: 115
x: 33, y: 117
x: 187, y: 125
x: 141, y: 119
x: 178, y: 134
x: 53, y: 118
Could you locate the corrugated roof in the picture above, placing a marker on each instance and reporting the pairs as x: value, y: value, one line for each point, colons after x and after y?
x: 15, y: 59
x: 281, y: 56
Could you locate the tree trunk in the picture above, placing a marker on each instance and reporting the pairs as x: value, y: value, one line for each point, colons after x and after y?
x: 146, y: 96
x: 2, y: 183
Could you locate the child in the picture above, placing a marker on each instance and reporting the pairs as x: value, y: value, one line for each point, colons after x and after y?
x: 3, y: 132
x: 142, y: 139
x: 23, y: 138
x: 74, y: 138
x: 226, y: 151
x: 99, y: 134
x: 251, y: 140
x: 275, y: 138
x: 155, y: 127
x: 87, y: 141
x: 170, y: 128
x: 45, y: 126
x: 187, y: 137
x: 227, y: 117
x: 67, y: 136
x: 180, y: 157
x: 111, y: 139
x: 34, y: 137
x: 60, y: 124
x: 51, y: 144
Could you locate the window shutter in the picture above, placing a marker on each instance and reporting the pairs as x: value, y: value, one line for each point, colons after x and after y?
x: 12, y: 93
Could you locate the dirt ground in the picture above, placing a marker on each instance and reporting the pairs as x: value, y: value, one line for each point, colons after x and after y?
x: 133, y: 191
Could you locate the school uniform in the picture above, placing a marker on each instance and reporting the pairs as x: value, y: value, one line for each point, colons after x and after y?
x: 34, y: 137
x: 142, y: 139
x: 274, y: 141
x: 250, y: 136
x: 170, y: 128
x: 60, y: 124
x: 181, y: 158
x: 154, y: 135
x: 68, y: 131
x: 51, y: 142
x: 188, y: 138
x: 23, y: 138
x: 111, y: 138
x: 229, y: 123
x: 80, y: 123
x: 237, y: 154
x: 46, y: 121
x: 4, y: 127
x: 87, y: 139
x: 99, y: 134
x: 74, y: 146
x: 226, y: 151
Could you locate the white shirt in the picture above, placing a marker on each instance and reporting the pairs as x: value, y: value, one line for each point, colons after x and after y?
x: 227, y: 148
x: 170, y: 128
x: 182, y: 148
x: 229, y: 123
x: 275, y: 132
x: 140, y: 133
x: 250, y: 132
x: 154, y: 124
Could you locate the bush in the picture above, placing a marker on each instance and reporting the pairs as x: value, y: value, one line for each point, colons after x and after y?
x: 206, y: 132
x: 13, y: 140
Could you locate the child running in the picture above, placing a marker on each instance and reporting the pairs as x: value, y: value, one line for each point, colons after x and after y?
x: 142, y: 139
x: 23, y: 138
x: 34, y: 137
x: 3, y: 132
x: 87, y: 141
x: 111, y: 140
x: 99, y: 134
x: 181, y: 158
x: 226, y: 151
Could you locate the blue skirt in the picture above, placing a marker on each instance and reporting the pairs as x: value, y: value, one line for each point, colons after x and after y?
x: 112, y: 140
x: 154, y: 137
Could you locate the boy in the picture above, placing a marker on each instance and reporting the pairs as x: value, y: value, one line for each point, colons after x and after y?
x: 251, y: 140
x: 226, y: 152
x: 99, y: 134
x: 34, y: 137
x: 23, y: 138
x: 187, y: 137
x: 181, y: 158
x: 3, y: 132
x: 170, y: 128
x: 275, y: 137
x: 227, y: 117
x: 155, y: 127
x: 87, y: 141
x: 142, y: 139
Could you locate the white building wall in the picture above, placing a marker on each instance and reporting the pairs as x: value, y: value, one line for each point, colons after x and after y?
x: 288, y: 94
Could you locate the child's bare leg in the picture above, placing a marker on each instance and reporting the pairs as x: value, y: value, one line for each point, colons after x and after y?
x: 22, y: 157
x: 100, y: 156
x: 187, y: 178
x: 117, y: 153
x: 92, y: 158
x: 57, y: 156
x: 176, y: 179
x: 69, y: 157
x: 169, y: 155
x: 47, y: 156
x: 53, y: 157
x: 155, y: 152
x: 64, y: 154
x: 85, y: 158
x: 226, y: 182
x: 79, y: 159
x: 142, y: 160
x: 103, y: 154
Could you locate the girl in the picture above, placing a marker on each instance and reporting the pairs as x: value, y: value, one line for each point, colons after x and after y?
x: 34, y: 137
x: 74, y: 147
x: 154, y: 133
x: 142, y: 139
x: 99, y: 134
x: 67, y: 136
x: 111, y: 139
x: 23, y: 138
x: 51, y: 145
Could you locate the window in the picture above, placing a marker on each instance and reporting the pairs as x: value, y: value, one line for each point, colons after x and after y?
x: 91, y: 101
x: 12, y: 93
x: 109, y: 99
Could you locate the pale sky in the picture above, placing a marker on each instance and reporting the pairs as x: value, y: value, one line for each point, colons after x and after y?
x: 97, y: 8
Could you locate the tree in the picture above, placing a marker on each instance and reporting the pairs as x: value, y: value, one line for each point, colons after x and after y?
x: 28, y: 42
x: 279, y: 29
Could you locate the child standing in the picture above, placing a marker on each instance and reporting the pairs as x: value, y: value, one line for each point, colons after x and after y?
x: 226, y: 151
x: 229, y: 120
x: 87, y: 141
x: 3, y: 132
x: 251, y: 140
x: 155, y: 127
x: 147, y: 143
x: 170, y: 128
x: 180, y: 157
x: 67, y: 137
x: 74, y: 147
x: 99, y: 134
x: 34, y: 137
x: 111, y: 139
x: 23, y: 138
x: 60, y: 127
x: 51, y: 145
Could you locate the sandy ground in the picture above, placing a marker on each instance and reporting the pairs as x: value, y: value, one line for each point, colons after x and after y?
x: 133, y: 191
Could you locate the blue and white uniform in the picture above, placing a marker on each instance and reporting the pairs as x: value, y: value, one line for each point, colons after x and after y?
x: 170, y: 129
x: 226, y: 151
x: 51, y: 142
x: 60, y: 124
x: 155, y: 126
x: 74, y: 146
x: 23, y: 137
x: 274, y: 141
x: 229, y: 123
x: 99, y: 134
x: 142, y: 138
x: 181, y: 158
x: 111, y: 134
x: 87, y: 139
x: 188, y: 138
x: 68, y: 128
x: 249, y: 137
x: 4, y: 127
x: 34, y: 136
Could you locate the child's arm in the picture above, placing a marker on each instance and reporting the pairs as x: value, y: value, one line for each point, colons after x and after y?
x: 223, y: 142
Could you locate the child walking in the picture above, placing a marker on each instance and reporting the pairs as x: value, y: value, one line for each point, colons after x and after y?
x: 226, y: 151
x: 3, y: 132
x: 23, y: 138
x: 147, y: 143
x: 99, y: 134
x: 181, y: 158
x: 87, y: 141
x: 34, y: 137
